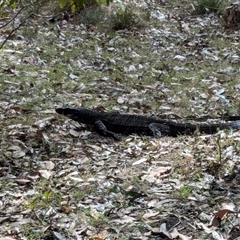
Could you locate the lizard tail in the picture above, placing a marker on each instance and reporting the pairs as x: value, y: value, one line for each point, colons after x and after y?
x: 235, y: 124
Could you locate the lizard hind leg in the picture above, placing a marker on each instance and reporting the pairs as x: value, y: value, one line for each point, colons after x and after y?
x: 159, y: 129
x: 101, y: 128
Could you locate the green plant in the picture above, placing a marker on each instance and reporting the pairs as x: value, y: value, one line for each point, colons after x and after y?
x: 126, y: 18
x: 206, y: 6
x: 35, y: 5
x: 32, y: 232
x: 79, y: 4
x: 91, y: 15
x: 184, y: 191
x: 78, y: 194
x: 98, y: 221
x: 94, y: 217
x: 45, y: 199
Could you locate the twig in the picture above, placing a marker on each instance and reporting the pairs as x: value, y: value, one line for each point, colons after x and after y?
x: 12, y: 19
x: 14, y: 30
x: 219, y: 150
x: 15, y: 15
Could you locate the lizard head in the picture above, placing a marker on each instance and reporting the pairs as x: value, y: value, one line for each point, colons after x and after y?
x: 81, y: 115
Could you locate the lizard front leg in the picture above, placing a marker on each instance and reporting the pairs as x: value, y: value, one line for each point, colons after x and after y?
x: 159, y: 129
x: 101, y: 128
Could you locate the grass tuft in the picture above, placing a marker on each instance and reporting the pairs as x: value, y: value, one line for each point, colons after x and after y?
x: 92, y: 15
x: 127, y: 19
x: 208, y: 6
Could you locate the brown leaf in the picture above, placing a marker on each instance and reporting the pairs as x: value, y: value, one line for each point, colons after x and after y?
x: 222, y: 213
x: 65, y: 208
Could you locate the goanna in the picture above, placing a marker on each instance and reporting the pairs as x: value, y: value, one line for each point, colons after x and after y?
x: 111, y: 124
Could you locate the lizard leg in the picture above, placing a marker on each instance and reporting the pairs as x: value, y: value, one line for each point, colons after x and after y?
x: 101, y: 128
x: 158, y: 129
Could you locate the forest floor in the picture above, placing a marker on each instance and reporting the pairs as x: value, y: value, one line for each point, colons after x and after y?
x: 61, y: 180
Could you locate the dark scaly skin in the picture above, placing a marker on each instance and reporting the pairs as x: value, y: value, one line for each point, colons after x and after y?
x: 139, y: 124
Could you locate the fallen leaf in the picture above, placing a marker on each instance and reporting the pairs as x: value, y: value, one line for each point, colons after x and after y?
x: 125, y: 219
x: 45, y: 173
